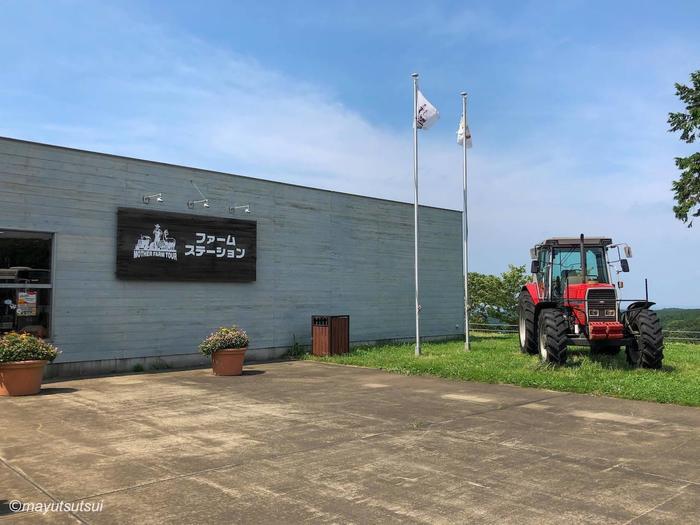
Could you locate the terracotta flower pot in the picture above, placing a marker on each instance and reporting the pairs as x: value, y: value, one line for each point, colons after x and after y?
x: 21, y: 378
x: 228, y: 362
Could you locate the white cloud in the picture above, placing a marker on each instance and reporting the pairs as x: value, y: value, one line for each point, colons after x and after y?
x: 177, y: 99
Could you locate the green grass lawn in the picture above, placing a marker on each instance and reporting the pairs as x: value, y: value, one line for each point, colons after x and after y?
x: 497, y: 359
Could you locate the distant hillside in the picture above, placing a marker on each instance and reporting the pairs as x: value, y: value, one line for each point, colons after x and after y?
x: 680, y: 318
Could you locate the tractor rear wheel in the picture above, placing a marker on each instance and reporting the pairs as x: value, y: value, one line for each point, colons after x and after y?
x: 552, y: 331
x: 647, y: 350
x: 526, y: 323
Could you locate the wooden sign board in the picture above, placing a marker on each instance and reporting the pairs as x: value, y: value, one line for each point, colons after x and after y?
x: 164, y: 246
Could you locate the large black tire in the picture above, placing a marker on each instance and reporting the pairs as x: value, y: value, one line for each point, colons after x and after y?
x: 527, y: 332
x: 647, y: 351
x: 551, y: 332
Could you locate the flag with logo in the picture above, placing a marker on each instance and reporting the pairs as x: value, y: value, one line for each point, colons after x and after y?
x: 426, y: 114
x: 463, y: 134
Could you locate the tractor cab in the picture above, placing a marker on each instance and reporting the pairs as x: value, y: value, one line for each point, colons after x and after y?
x: 565, y: 266
x: 573, y: 294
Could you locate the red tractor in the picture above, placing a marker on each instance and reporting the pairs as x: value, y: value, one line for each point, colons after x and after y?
x: 572, y: 301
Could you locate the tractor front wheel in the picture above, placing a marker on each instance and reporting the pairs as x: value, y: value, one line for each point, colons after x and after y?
x: 526, y: 323
x: 552, y: 330
x: 647, y: 350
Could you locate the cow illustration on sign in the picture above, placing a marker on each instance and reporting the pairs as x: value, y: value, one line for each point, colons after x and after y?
x: 160, y: 245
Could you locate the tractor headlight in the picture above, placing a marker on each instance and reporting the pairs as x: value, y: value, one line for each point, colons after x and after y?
x: 610, y: 313
x: 594, y: 312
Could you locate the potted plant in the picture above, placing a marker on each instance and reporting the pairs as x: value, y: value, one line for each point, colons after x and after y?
x: 227, y: 348
x: 23, y: 358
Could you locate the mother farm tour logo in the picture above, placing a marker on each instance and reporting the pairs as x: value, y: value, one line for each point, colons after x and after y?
x: 160, y: 245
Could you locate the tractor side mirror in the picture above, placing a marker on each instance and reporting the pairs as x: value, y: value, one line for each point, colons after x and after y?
x: 624, y: 265
x: 535, y: 267
x: 627, y: 250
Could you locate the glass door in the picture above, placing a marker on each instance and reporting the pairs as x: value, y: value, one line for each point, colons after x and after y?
x: 25, y: 282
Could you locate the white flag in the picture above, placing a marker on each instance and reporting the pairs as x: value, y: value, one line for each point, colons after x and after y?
x: 462, y: 133
x: 426, y: 114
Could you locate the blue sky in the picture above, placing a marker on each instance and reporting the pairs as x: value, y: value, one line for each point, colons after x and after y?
x: 568, y: 106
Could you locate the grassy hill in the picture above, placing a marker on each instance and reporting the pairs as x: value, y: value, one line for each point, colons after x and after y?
x: 680, y: 318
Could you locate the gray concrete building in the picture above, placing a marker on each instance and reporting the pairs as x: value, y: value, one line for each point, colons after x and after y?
x: 310, y: 252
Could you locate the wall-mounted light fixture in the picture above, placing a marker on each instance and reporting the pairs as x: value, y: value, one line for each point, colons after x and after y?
x: 203, y: 201
x: 157, y: 196
x: 244, y: 207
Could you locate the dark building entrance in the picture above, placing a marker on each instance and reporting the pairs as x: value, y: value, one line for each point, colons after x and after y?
x: 25, y: 282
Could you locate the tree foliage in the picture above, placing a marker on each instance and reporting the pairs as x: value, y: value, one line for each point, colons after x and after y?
x: 680, y: 318
x: 495, y: 297
x: 687, y: 187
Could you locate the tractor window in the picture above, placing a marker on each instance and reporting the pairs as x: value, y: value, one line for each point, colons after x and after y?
x: 595, y: 266
x: 566, y: 267
x: 541, y: 276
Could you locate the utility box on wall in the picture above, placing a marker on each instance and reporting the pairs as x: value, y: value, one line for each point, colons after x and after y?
x: 330, y: 334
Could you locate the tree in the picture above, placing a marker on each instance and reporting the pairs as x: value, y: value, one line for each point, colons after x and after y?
x: 495, y: 297
x: 687, y: 187
x: 483, y: 293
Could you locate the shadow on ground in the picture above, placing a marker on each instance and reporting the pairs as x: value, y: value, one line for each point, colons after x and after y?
x: 5, y: 507
x: 49, y: 391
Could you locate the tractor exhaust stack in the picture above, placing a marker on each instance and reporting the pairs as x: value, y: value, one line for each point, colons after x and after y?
x: 584, y: 270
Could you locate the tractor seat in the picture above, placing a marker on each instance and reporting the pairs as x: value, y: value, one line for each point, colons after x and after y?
x: 573, y: 276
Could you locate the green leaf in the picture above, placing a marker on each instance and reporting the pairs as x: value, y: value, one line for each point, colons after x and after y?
x: 687, y: 188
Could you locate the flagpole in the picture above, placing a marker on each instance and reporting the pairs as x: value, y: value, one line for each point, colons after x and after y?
x: 415, y: 204
x: 465, y: 226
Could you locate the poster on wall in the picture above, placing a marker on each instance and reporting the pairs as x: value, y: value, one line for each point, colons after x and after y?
x: 164, y: 246
x: 26, y: 304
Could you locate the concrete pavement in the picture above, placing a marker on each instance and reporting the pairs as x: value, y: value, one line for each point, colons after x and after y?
x: 295, y: 442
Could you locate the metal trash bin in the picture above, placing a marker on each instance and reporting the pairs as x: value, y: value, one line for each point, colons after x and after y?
x: 330, y: 334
